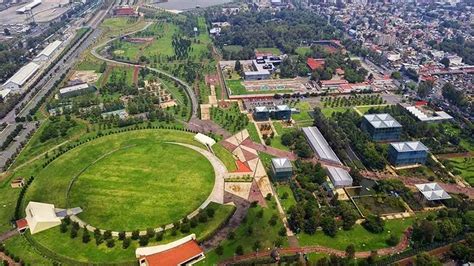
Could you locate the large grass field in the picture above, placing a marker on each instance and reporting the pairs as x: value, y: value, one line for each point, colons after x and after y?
x: 362, y: 239
x: 128, y: 181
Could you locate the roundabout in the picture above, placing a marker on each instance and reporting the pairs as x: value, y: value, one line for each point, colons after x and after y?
x: 132, y: 180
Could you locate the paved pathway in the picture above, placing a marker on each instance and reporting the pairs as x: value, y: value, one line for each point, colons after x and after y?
x: 217, y: 194
x: 329, y: 251
x: 267, y: 149
x: 10, y: 261
x: 206, y: 126
x: 6, y: 235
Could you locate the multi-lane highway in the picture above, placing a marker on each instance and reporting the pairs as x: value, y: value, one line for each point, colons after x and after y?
x: 45, y: 85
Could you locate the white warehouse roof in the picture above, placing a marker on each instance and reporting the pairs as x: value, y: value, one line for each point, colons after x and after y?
x: 420, y: 115
x: 319, y: 144
x: 409, y: 146
x: 382, y: 121
x: 22, y: 75
x: 432, y: 191
x: 339, y: 177
x: 48, y: 50
x: 74, y: 88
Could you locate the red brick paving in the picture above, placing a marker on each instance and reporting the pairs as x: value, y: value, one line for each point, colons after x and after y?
x: 270, y: 150
x: 242, y: 167
x: 256, y: 195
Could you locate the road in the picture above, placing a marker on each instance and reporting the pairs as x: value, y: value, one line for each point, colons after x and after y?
x: 45, y: 85
x: 189, y: 90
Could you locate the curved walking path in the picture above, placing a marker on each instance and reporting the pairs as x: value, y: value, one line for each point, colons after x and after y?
x: 188, y: 89
x: 217, y: 194
x: 404, y: 242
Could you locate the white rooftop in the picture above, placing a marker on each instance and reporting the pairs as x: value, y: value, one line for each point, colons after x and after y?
x: 422, y: 116
x: 74, y: 88
x: 409, y: 146
x: 432, y: 191
x: 281, y: 163
x: 382, y: 121
x: 339, y: 177
x: 48, y: 50
x: 283, y: 107
x: 22, y: 75
x: 319, y: 144
x: 261, y: 109
x: 201, y: 138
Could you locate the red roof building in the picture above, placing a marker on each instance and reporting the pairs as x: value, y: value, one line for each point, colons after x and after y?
x: 124, y: 11
x: 21, y: 225
x: 314, y: 64
x: 181, y: 252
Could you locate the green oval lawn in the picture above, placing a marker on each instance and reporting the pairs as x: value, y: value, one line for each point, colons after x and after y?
x: 127, y: 181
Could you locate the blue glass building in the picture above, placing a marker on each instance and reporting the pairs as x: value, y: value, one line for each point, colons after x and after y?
x: 407, y: 153
x: 381, y: 127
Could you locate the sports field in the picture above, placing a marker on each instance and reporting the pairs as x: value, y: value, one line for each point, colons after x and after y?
x: 128, y: 181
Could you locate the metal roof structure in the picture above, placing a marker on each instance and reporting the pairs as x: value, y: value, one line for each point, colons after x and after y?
x: 432, y: 191
x: 339, y: 177
x: 282, y: 164
x: 423, y: 117
x: 409, y: 146
x: 22, y: 75
x: 261, y: 109
x: 382, y: 121
x: 319, y: 144
x: 49, y: 50
x: 78, y: 87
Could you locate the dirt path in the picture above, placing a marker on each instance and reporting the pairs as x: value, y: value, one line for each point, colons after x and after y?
x: 242, y: 206
x: 10, y: 261
x: 41, y: 155
x: 455, y: 155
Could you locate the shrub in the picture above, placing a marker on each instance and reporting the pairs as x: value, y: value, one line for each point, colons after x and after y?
x: 63, y: 228
x: 126, y: 243
x: 231, y: 235
x: 253, y: 204
x: 73, y: 233
x: 107, y: 235
x: 239, y: 250
x: 193, y: 222
x: 259, y: 214
x: 185, y: 228
x: 121, y: 235
x: 393, y: 240
x: 374, y: 224
x: 135, y: 234
x: 150, y: 232
x: 282, y: 231
x: 159, y: 236
x: 210, y: 212
x: 268, y: 197
x: 86, y: 237
x: 202, y: 217
x: 219, y: 250
x: 257, y: 245
x: 285, y: 195
x: 143, y: 240
x: 110, y: 243
x: 273, y: 220
x: 250, y: 230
